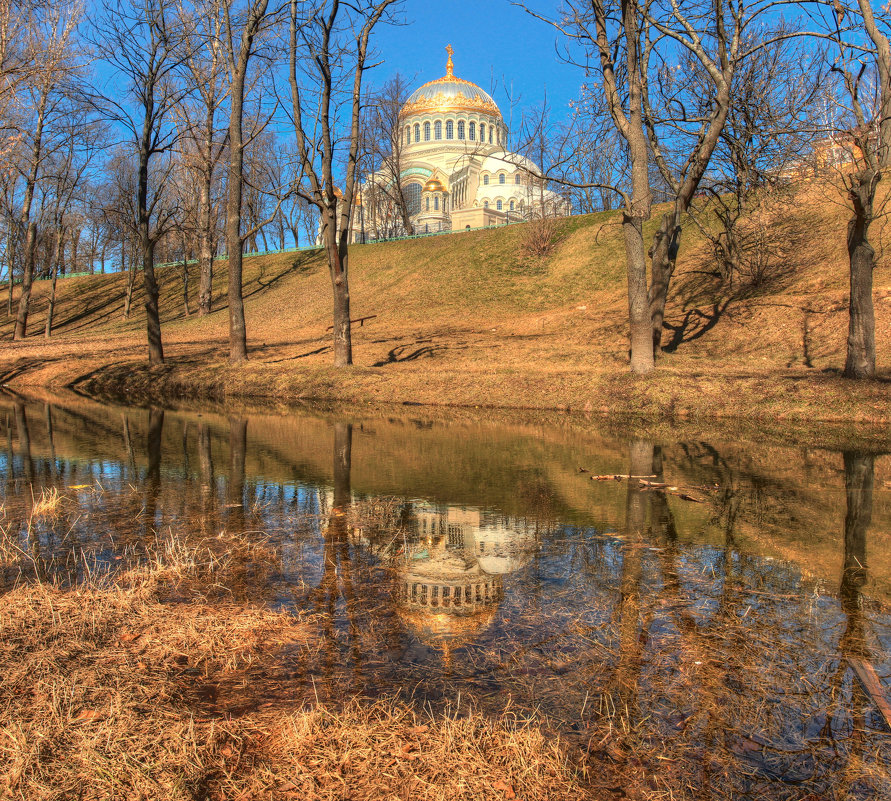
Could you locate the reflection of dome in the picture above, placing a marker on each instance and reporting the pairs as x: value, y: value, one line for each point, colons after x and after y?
x: 449, y: 94
x: 441, y: 629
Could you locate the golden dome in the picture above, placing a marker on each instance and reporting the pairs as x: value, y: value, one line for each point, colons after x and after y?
x: 433, y: 185
x: 449, y: 94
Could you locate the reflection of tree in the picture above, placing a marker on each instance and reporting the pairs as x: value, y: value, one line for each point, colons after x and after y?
x: 206, y: 472
x: 631, y: 638
x: 336, y: 559
x: 859, y: 477
x: 235, y: 488
x: 21, y: 427
x: 153, y: 471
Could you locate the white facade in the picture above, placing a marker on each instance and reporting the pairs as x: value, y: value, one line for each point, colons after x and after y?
x: 455, y: 170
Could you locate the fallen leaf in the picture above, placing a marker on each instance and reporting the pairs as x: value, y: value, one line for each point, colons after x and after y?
x: 420, y: 729
x: 129, y: 636
x: 504, y: 787
x: 88, y: 716
x: 80, y: 486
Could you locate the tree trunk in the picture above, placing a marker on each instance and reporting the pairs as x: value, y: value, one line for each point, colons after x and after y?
x: 21, y: 320
x: 10, y: 250
x: 234, y: 242
x: 30, y: 227
x: 640, y: 322
x: 131, y: 282
x: 861, y: 356
x: 152, y: 314
x: 664, y: 255
x: 205, y: 249
x: 185, y: 279
x: 338, y: 262
x: 54, y: 268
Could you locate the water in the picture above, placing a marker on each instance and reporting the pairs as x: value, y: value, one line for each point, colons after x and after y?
x: 699, y: 635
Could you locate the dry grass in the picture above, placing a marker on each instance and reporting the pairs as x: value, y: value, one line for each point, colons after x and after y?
x: 48, y: 505
x: 108, y: 692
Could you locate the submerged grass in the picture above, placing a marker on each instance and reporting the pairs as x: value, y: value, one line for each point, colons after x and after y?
x: 108, y: 691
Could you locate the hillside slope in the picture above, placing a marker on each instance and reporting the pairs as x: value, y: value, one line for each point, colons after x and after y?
x: 453, y: 311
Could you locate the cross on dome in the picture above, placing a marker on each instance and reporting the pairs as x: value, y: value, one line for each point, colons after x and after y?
x: 450, y: 67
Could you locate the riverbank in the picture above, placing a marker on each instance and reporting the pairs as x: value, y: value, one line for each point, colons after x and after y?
x: 520, y: 379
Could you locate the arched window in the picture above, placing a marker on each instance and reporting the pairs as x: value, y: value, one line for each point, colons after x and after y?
x: 408, y: 134
x: 436, y: 203
x: 461, y: 129
x: 501, y: 178
x: 472, y: 135
x: 426, y: 131
x: 483, y: 132
x: 511, y: 205
x: 450, y: 129
x: 485, y: 204
x: 517, y: 178
x: 490, y: 134
x: 437, y: 130
x: 417, y: 133
x: 413, y: 198
x: 428, y: 203
x: 485, y: 180
x: 498, y: 205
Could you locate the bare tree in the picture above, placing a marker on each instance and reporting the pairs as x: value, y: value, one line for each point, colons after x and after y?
x: 205, y: 144
x: 385, y: 144
x: 69, y: 171
x: 51, y: 49
x: 146, y: 45
x: 864, y: 67
x: 240, y: 33
x: 328, y: 55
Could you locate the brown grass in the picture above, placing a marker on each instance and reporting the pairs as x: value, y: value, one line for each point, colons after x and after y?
x: 468, y: 320
x: 108, y: 692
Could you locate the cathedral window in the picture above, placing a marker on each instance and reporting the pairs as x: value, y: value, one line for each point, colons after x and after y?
x: 426, y: 131
x: 413, y: 198
x: 485, y: 204
x: 485, y: 180
x: 417, y: 133
x: 437, y: 130
x: 436, y: 203
x: 501, y: 178
x: 461, y: 129
x: 498, y: 205
x: 517, y: 178
x: 428, y: 203
x: 472, y: 135
x: 490, y: 134
x: 511, y: 205
x: 408, y: 134
x: 483, y: 132
x: 450, y: 129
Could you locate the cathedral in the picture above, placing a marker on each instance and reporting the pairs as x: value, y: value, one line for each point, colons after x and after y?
x: 455, y: 170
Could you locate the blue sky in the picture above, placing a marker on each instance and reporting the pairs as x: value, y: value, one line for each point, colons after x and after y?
x: 493, y: 40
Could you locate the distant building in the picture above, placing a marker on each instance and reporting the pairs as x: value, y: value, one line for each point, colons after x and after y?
x: 455, y: 170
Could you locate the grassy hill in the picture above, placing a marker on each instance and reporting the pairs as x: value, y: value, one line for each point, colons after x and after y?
x: 470, y: 318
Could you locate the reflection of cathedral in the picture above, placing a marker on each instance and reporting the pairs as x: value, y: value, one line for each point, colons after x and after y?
x: 455, y: 170
x: 450, y: 571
